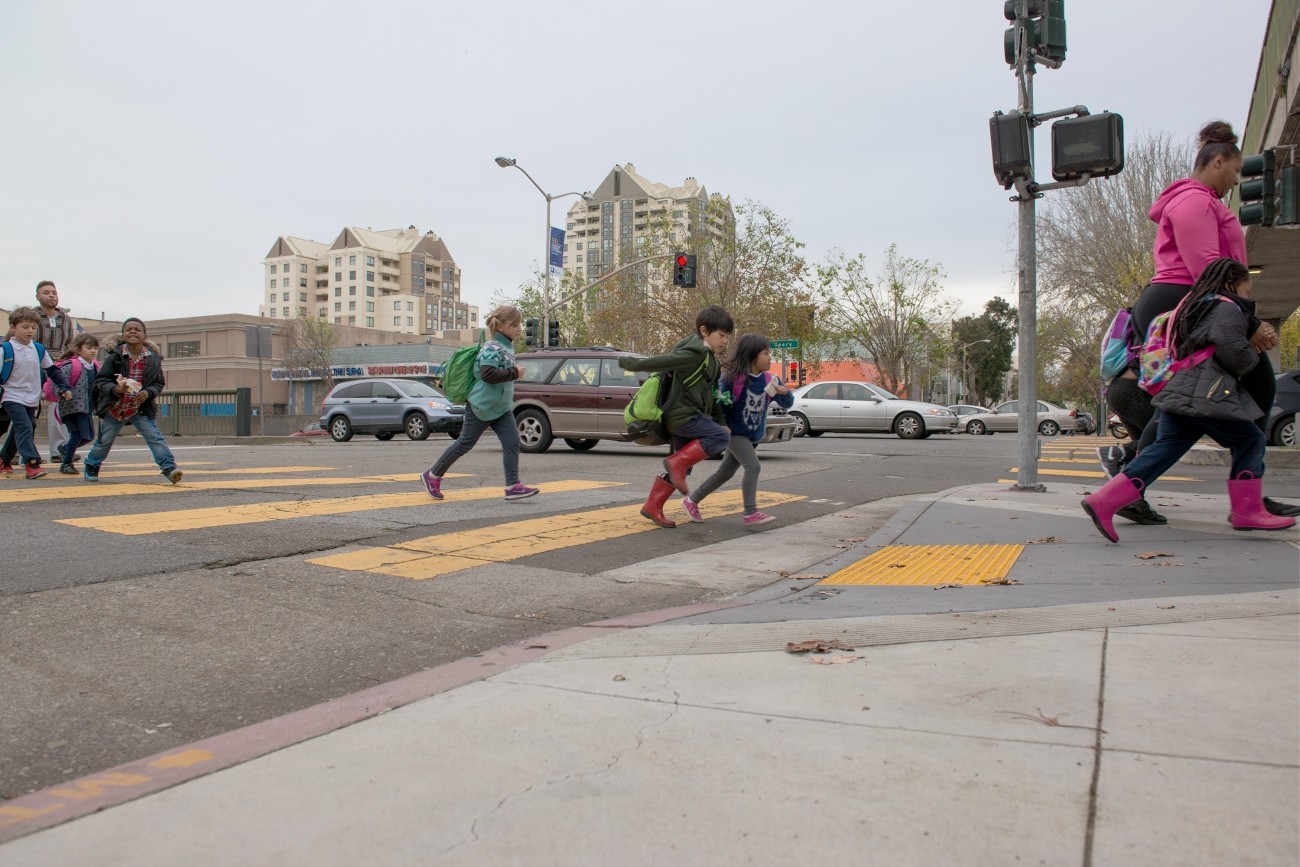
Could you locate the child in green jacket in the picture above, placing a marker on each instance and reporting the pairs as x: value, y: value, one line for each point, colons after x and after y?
x: 692, y: 413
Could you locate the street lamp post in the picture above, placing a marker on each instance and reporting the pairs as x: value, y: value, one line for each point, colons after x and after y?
x: 965, y: 377
x: 505, y: 163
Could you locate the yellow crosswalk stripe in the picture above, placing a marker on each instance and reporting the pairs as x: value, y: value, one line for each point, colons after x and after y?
x: 431, y: 556
x: 114, y: 473
x: 1094, y: 474
x: 89, y: 490
x: 146, y: 523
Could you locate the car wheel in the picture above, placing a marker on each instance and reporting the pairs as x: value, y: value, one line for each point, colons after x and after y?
x: 417, y: 426
x: 385, y: 437
x: 580, y: 445
x: 1049, y: 428
x: 1284, y: 433
x: 909, y: 426
x: 534, y: 431
x: 976, y: 428
x: 800, y: 424
x: 340, y: 429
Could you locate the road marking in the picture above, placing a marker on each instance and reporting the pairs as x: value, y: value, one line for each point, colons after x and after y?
x: 146, y: 523
x: 431, y: 556
x: 89, y: 490
x: 252, y: 471
x: 930, y: 565
x: 1095, y: 474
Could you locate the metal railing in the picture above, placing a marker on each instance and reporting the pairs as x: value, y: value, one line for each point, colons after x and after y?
x: 206, y: 412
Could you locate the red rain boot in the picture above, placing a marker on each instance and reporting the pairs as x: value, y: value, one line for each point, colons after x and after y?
x: 1113, y: 496
x: 1248, y: 512
x: 653, y: 509
x: 682, y: 460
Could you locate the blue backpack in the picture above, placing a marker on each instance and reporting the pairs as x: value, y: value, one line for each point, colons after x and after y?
x: 7, y: 366
x: 1120, y: 345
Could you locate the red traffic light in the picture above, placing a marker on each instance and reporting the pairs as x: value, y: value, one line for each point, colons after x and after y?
x: 681, y: 260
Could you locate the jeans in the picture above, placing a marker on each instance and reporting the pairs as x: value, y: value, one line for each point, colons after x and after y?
x: 713, y: 437
x: 110, y: 427
x: 22, y: 438
x: 471, y: 429
x: 1178, y: 433
x: 740, y: 453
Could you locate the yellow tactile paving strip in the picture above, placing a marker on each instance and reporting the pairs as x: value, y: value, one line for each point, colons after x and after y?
x: 930, y: 565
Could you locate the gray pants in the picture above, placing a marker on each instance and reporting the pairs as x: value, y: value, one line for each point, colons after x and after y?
x: 740, y: 453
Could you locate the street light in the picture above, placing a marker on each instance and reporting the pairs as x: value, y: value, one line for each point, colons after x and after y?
x: 506, y: 163
x: 965, y: 377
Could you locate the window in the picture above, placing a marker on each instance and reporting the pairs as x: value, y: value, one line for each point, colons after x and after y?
x: 338, y: 320
x: 302, y: 282
x: 302, y: 296
x: 321, y: 312
x: 302, y: 311
x: 854, y: 391
x: 370, y: 290
x: 397, y: 305
x: 370, y: 276
x: 271, y: 312
x: 338, y: 260
x: 410, y: 323
x: 428, y: 325
x: 410, y: 305
x: 370, y: 307
x: 824, y: 391
x: 352, y: 305
x: 273, y: 269
x: 352, y: 320
x: 338, y: 291
x: 352, y: 260
x: 397, y: 320
x: 370, y: 322
x: 302, y: 269
x: 185, y: 349
x: 370, y: 260
x: 352, y: 290
x: 272, y: 284
x: 352, y: 275
x: 428, y: 310
x: 338, y: 276
x: 338, y: 306
x: 286, y: 313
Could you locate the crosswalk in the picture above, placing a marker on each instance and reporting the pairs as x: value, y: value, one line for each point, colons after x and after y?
x: 1075, y: 459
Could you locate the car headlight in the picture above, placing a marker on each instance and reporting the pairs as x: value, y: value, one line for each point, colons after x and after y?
x: 433, y: 404
x: 940, y: 412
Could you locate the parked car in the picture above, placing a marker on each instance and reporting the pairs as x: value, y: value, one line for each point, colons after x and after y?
x: 1281, y: 420
x: 1087, y: 425
x: 963, y: 409
x: 1005, y: 418
x: 861, y: 407
x: 387, y: 407
x: 578, y: 394
x: 311, y: 430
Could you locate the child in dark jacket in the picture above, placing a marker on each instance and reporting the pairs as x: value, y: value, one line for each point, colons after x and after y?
x: 1204, y: 400
x: 692, y: 412
x: 745, y: 376
x: 75, y: 412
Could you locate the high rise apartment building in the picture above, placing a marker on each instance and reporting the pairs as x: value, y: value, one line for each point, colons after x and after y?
x: 628, y: 216
x: 395, y: 280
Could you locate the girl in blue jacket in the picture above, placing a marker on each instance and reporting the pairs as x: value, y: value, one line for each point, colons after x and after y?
x: 752, y: 388
x: 491, y: 405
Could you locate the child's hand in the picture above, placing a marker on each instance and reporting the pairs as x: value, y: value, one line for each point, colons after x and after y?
x: 781, y: 389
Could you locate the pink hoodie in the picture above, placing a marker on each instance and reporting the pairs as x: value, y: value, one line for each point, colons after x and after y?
x: 1193, y: 228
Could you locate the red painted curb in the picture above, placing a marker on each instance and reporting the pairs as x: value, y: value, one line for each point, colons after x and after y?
x: 126, y: 782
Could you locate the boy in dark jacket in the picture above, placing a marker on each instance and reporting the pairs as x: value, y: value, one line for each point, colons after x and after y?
x: 126, y: 392
x: 692, y: 413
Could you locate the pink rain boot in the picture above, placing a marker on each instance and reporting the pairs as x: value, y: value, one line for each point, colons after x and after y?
x: 1113, y: 496
x: 1248, y: 512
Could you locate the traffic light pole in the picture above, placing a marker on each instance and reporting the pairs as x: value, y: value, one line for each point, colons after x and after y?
x: 594, y: 283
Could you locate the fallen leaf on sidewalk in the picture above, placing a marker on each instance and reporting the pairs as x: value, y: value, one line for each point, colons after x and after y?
x: 807, y: 577
x: 1151, y: 555
x: 834, y: 660
x: 538, y: 647
x: 816, y: 646
x: 1165, y: 607
x: 947, y: 587
x: 619, y: 677
x: 1043, y: 540
x: 1004, y: 581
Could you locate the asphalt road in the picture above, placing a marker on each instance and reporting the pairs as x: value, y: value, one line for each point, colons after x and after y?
x: 136, y: 617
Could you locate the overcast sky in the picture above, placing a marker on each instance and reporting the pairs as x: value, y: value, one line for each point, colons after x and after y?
x: 153, y: 151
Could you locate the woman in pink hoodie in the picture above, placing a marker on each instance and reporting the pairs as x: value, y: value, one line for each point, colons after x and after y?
x: 1193, y: 228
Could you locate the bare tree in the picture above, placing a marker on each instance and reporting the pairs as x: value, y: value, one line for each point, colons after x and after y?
x: 890, y: 317
x: 310, y: 351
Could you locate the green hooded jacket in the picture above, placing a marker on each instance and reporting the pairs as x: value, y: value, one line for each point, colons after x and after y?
x: 684, y: 401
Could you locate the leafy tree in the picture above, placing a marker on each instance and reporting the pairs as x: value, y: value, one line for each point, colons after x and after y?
x: 1289, y: 341
x: 986, y: 363
x: 889, y: 316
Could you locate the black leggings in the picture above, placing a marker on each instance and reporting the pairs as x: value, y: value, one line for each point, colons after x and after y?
x: 1133, y: 406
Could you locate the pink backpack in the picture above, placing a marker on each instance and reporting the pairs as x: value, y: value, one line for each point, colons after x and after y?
x: 73, y: 370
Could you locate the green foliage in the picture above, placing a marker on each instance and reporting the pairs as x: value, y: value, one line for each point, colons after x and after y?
x: 986, y: 363
x: 1289, y: 342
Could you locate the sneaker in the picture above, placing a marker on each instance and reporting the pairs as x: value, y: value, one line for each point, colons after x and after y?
x: 6, y: 468
x: 1111, y: 459
x: 519, y: 491
x: 35, y: 471
x: 90, y: 472
x: 753, y: 519
x: 692, y: 509
x: 67, y: 469
x: 173, y: 475
x: 1142, y: 513
x: 433, y: 484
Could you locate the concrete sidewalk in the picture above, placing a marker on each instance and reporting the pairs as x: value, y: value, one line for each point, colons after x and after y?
x: 1091, y: 705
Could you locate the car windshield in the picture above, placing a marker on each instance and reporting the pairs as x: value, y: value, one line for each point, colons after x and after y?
x: 880, y: 392
x: 419, y: 389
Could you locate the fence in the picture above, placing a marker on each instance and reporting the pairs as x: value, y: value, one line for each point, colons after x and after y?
x: 218, y: 412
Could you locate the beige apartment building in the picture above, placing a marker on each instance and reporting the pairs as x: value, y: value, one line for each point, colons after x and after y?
x: 628, y: 217
x: 396, y: 280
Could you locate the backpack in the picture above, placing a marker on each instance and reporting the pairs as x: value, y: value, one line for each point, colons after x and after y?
x: 1119, y: 344
x: 1159, y: 358
x: 644, y: 413
x: 458, y: 375
x: 7, y: 364
x: 70, y: 367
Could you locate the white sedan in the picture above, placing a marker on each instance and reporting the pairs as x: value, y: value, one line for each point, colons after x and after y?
x: 861, y: 407
x: 1005, y: 418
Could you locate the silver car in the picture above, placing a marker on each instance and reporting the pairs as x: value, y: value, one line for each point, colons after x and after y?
x: 861, y: 407
x: 1004, y: 418
x: 387, y: 407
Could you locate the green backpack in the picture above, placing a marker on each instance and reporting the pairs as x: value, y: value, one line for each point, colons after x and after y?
x: 644, y: 413
x: 458, y: 375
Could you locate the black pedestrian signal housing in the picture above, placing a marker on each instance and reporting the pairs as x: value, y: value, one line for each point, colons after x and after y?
x: 530, y: 333
x: 553, y: 333
x: 1258, y: 188
x: 1011, y: 156
x: 1091, y: 144
x: 684, y: 270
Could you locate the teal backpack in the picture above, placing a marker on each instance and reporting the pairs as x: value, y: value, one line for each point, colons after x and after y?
x: 458, y: 375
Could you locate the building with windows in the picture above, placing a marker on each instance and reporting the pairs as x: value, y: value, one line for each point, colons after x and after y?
x: 628, y: 216
x: 395, y: 280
